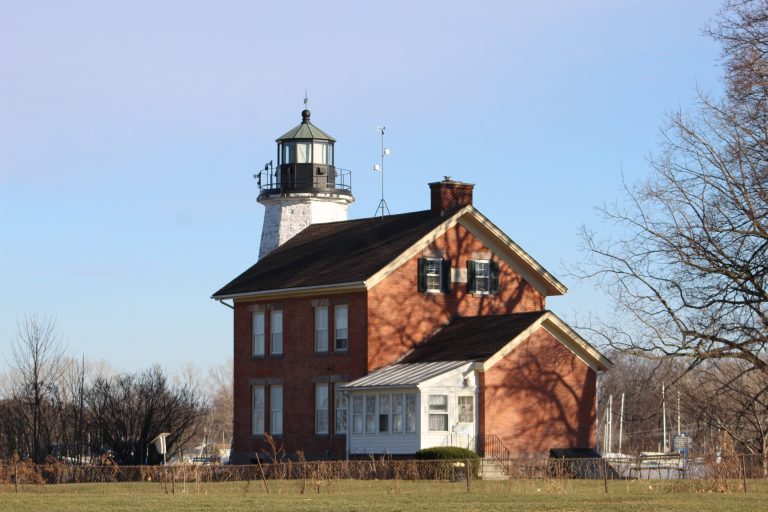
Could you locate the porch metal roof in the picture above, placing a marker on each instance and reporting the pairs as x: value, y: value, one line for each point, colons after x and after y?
x: 402, y: 375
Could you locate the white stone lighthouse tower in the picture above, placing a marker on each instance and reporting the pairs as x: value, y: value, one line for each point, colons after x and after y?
x: 304, y: 188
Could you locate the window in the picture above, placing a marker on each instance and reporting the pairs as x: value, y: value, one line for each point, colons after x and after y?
x: 257, y: 419
x: 321, y: 329
x: 302, y: 152
x: 434, y: 275
x: 276, y: 410
x: 319, y: 153
x: 483, y: 277
x: 410, y: 413
x: 257, y: 326
x: 357, y: 414
x: 288, y: 156
x: 276, y: 332
x: 433, y: 268
x: 341, y: 401
x: 397, y: 413
x: 340, y: 323
x: 438, y: 413
x: 321, y: 408
x: 370, y: 414
x: 466, y: 409
x: 383, y: 414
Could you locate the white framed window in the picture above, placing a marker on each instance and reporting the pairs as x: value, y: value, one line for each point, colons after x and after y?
x: 482, y: 276
x: 466, y: 407
x: 410, y: 413
x: 384, y: 403
x: 276, y: 332
x: 257, y: 327
x: 397, y: 414
x: 370, y: 414
x: 257, y: 405
x: 438, y: 413
x: 321, y: 329
x: 358, y: 414
x: 341, y: 402
x: 276, y: 410
x: 433, y: 274
x: 340, y: 324
x: 321, y: 409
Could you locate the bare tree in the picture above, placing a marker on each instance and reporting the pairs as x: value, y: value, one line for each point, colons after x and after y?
x: 129, y: 410
x: 36, y: 356
x: 689, y: 270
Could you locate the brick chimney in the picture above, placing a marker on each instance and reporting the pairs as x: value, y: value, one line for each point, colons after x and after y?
x: 447, y: 195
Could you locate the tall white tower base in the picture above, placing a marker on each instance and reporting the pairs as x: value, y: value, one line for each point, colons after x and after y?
x: 287, y: 214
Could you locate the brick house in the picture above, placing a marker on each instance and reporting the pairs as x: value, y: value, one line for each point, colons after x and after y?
x: 394, y: 333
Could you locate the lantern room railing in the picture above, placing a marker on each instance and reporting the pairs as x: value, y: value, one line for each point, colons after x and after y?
x: 268, y: 181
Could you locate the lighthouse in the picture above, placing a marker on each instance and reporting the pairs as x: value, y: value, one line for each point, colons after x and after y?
x: 305, y: 187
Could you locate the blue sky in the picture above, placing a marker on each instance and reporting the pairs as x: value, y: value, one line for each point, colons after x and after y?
x: 129, y: 133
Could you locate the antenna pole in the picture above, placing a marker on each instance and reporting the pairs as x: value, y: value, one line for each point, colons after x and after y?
x: 382, y: 165
x: 383, y: 208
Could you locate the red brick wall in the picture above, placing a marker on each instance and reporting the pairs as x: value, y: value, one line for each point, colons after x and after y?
x: 540, y: 396
x: 400, y: 317
x: 298, y: 369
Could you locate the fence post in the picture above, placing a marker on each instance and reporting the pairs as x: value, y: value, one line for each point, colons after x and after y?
x: 261, y: 470
x: 469, y: 477
x: 605, y: 475
x: 744, y: 471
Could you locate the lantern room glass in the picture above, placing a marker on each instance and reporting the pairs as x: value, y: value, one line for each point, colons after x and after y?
x: 305, y: 152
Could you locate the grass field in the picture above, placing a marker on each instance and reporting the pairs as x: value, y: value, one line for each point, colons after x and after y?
x: 388, y: 495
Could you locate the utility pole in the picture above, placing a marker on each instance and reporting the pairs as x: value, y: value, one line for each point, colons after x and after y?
x: 610, y: 423
x: 678, y: 412
x: 664, y: 416
x: 621, y: 422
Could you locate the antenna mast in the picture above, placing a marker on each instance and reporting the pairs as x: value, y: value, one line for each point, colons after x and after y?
x: 383, y: 208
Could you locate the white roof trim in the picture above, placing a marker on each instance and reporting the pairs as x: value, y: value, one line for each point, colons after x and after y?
x: 492, y: 237
x: 513, y: 255
x: 563, y: 334
x: 301, y: 290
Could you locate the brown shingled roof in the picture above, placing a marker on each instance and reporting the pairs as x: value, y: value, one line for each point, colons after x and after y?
x: 474, y: 338
x: 333, y: 253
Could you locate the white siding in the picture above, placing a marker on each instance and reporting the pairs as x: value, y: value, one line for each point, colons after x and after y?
x: 451, y: 384
x: 383, y: 443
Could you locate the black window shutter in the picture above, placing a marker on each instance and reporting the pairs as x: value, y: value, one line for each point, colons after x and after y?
x: 422, y: 274
x: 494, y: 277
x: 446, y: 275
x: 471, y: 276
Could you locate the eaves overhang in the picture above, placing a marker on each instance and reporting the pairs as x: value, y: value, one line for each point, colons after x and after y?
x: 294, y: 292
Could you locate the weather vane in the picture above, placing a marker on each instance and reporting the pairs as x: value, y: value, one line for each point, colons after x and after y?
x: 306, y: 99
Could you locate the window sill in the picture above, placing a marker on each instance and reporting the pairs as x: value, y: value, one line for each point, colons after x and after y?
x: 275, y: 356
x: 258, y: 358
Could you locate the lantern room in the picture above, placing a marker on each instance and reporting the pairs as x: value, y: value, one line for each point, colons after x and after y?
x: 305, y: 160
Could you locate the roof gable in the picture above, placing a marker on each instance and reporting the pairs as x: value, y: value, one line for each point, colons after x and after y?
x: 487, y: 339
x: 358, y: 254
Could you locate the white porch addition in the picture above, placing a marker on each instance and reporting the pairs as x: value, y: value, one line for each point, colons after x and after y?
x: 403, y: 408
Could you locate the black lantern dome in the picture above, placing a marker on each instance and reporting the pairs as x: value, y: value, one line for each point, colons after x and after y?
x: 305, y: 160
